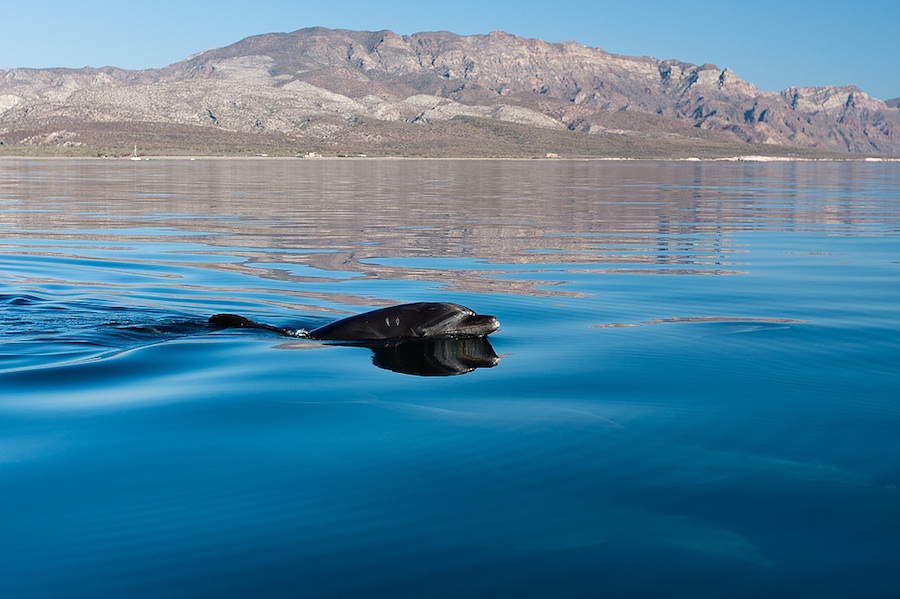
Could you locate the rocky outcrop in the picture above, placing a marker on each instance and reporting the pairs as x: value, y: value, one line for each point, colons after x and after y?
x: 338, y: 87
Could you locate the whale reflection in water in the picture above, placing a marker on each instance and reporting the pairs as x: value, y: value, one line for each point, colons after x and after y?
x: 438, y: 357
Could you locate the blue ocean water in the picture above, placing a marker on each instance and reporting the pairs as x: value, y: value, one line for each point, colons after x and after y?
x: 698, y: 392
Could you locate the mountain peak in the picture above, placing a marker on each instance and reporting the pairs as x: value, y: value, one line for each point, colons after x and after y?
x: 341, y: 88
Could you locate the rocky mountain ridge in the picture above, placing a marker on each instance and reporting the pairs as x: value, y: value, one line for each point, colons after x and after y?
x: 438, y: 93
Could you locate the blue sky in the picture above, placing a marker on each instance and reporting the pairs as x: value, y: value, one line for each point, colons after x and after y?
x: 773, y: 44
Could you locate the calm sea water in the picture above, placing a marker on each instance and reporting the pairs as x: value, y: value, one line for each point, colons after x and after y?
x: 698, y: 393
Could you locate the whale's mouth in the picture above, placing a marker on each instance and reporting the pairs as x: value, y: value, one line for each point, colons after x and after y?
x: 476, y: 325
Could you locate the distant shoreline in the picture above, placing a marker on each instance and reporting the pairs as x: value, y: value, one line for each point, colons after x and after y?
x: 749, y: 158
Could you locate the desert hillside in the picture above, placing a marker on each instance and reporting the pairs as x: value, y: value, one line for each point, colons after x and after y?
x: 438, y: 94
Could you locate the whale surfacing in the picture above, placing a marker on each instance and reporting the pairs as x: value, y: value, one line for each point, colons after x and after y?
x: 424, y: 338
x: 420, y: 320
x: 405, y: 322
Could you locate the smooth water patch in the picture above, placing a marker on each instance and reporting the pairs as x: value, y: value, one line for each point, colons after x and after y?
x: 696, y: 392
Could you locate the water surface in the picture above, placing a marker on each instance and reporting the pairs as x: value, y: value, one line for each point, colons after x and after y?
x: 697, y: 393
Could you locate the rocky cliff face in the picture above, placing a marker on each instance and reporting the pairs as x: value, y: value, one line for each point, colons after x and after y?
x: 335, y: 88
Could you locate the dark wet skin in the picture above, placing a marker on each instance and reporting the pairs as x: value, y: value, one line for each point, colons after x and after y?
x: 424, y: 338
x: 420, y: 320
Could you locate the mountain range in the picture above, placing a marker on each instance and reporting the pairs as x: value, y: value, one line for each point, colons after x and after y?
x: 437, y: 94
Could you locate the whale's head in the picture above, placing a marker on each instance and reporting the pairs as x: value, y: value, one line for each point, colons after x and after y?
x: 437, y: 320
x: 421, y: 320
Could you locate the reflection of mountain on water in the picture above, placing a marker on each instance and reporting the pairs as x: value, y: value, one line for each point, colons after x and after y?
x: 483, y: 226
